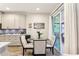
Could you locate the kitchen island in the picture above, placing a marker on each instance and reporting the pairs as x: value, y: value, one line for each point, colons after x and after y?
x: 3, y: 46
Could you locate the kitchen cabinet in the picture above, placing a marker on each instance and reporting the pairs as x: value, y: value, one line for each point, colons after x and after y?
x: 2, y: 38
x: 14, y: 39
x: 22, y: 22
x: 19, y: 21
x: 16, y: 21
x: 8, y: 21
x: 13, y: 21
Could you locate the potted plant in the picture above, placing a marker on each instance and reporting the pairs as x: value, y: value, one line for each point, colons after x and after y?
x: 39, y: 34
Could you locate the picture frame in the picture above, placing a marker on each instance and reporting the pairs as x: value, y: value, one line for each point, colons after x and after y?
x: 39, y: 25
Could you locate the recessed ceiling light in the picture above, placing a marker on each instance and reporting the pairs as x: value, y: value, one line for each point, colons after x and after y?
x: 7, y: 8
x: 37, y: 8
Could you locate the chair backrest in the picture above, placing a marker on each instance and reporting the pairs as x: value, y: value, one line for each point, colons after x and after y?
x: 23, y: 40
x: 27, y: 36
x: 39, y: 47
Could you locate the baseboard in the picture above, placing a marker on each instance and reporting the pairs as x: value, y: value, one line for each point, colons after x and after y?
x: 39, y: 54
x: 14, y: 46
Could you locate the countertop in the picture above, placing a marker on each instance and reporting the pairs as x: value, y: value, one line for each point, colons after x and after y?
x: 2, y: 44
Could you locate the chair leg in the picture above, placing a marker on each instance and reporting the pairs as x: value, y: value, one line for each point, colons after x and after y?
x: 33, y: 52
x: 53, y: 50
x: 23, y: 51
x: 50, y: 49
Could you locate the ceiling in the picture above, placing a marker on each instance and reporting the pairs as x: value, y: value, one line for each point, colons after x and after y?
x: 28, y: 7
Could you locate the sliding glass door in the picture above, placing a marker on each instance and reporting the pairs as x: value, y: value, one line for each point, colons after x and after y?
x: 62, y: 31
x: 58, y: 31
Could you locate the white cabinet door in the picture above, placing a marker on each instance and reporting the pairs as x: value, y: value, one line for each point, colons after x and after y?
x: 2, y: 38
x: 22, y: 21
x: 13, y: 21
x: 4, y: 21
x: 16, y: 21
x: 14, y: 39
x: 8, y: 21
x: 19, y: 21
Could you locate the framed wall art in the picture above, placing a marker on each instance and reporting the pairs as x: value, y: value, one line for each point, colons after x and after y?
x: 39, y: 25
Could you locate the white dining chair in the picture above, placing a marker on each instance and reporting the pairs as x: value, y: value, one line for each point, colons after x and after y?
x: 25, y: 45
x: 39, y: 47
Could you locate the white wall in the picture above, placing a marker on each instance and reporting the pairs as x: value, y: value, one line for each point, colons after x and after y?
x: 37, y: 18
